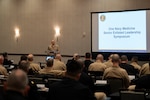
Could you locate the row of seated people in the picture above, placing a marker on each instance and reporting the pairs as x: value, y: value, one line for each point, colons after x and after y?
x: 123, y: 69
x: 119, y: 69
x: 71, y: 75
x: 132, y: 69
x: 100, y: 65
x: 5, y: 63
x: 122, y: 74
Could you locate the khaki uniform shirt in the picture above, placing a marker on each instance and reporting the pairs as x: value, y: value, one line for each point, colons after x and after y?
x: 145, y: 69
x: 117, y: 72
x: 34, y: 66
x: 48, y: 70
x: 58, y: 65
x: 108, y: 63
x: 53, y: 48
x: 97, y: 66
x: 135, y: 65
x: 3, y: 70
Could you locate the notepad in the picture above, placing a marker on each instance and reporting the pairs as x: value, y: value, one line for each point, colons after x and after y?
x: 40, y: 85
x: 101, y: 82
x: 131, y: 77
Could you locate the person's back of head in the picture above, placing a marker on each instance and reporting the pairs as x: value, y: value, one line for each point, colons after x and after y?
x: 110, y: 57
x: 23, y: 57
x: 124, y: 58
x: 5, y: 55
x: 58, y: 56
x: 76, y: 56
x: 134, y: 59
x: 88, y: 55
x: 116, y: 58
x: 81, y: 62
x: 74, y: 69
x: 30, y: 57
x: 24, y: 65
x: 1, y: 59
x: 49, y: 62
x: 100, y: 57
x: 17, y: 80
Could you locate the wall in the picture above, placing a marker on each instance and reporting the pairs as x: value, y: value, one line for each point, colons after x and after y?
x: 36, y: 20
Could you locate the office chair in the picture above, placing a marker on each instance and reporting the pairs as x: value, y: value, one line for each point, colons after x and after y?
x: 96, y: 75
x: 132, y: 95
x: 115, y: 84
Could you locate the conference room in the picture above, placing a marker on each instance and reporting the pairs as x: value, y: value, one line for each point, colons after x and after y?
x: 76, y: 26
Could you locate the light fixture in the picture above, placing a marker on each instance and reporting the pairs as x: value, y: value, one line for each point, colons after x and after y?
x: 17, y: 33
x: 57, y: 32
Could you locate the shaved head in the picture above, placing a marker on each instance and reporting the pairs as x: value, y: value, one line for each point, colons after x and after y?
x: 116, y: 58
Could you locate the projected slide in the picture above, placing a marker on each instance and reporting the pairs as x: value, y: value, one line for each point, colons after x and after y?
x: 122, y: 31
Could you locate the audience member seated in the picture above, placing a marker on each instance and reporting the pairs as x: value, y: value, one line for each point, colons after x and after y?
x: 109, y: 63
x: 134, y: 63
x: 24, y: 65
x: 3, y: 70
x: 32, y: 93
x: 145, y: 69
x: 49, y: 69
x: 116, y: 71
x: 70, y: 88
x: 98, y: 65
x: 87, y: 61
x: 17, y: 84
x: 58, y: 64
x: 129, y: 68
x: 33, y: 66
x: 75, y: 57
x: 23, y: 57
x: 86, y: 80
x: 143, y: 82
x: 6, y: 61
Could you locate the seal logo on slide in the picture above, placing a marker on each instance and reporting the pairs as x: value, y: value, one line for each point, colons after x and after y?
x: 102, y: 17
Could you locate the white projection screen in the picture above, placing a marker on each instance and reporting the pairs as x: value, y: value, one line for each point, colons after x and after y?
x: 121, y: 31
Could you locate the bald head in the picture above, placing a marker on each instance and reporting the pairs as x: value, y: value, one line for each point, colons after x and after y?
x: 115, y: 58
x: 58, y: 56
x: 53, y: 42
x: 30, y: 57
x: 100, y: 57
x: 17, y: 80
